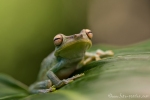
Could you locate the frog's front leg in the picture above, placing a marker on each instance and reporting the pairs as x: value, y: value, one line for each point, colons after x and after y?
x: 55, y: 80
x: 59, y: 83
x: 96, y: 56
x: 42, y: 87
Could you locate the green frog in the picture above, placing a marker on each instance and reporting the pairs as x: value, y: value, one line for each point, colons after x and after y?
x: 69, y: 56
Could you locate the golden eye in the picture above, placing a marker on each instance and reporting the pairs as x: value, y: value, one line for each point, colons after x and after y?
x: 58, y: 39
x: 89, y: 33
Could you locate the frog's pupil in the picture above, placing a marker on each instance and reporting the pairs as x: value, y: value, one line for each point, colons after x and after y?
x: 56, y: 39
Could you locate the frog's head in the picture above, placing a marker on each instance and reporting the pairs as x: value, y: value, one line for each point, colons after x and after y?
x: 73, y: 46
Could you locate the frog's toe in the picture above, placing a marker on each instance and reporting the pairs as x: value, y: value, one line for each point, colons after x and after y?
x: 102, y: 53
x: 60, y: 84
x: 110, y: 53
x: 97, y: 57
x: 78, y: 76
x: 43, y: 91
x: 52, y: 89
x: 66, y: 81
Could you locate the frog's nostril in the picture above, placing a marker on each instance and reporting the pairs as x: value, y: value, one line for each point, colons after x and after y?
x: 81, y: 35
x: 75, y: 35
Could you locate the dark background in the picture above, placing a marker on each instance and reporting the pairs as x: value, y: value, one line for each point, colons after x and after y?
x: 27, y: 28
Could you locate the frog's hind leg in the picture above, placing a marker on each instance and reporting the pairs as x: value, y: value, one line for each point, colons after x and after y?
x: 42, y: 87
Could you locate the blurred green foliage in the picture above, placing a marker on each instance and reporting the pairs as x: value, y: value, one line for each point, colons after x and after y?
x: 27, y: 29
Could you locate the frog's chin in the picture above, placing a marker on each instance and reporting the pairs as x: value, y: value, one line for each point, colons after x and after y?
x: 74, y: 49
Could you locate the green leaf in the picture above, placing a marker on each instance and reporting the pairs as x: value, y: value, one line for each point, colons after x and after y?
x: 11, y: 88
x: 126, y: 75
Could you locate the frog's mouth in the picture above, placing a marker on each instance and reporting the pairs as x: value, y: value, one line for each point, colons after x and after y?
x: 74, y: 49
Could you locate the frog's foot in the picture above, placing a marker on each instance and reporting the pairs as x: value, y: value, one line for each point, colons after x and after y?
x: 96, y: 56
x: 51, y: 89
x: 102, y: 53
x: 41, y: 87
x: 90, y: 57
x: 66, y: 81
x: 77, y: 76
x: 60, y: 84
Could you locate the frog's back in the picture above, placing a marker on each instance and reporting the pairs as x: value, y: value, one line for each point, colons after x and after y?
x: 46, y: 64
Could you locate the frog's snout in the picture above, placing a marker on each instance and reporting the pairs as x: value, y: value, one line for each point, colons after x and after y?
x: 78, y: 36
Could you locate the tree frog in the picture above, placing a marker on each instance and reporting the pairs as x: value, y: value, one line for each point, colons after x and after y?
x: 69, y: 55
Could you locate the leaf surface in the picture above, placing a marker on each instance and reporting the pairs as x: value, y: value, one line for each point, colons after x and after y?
x: 11, y: 88
x: 125, y: 75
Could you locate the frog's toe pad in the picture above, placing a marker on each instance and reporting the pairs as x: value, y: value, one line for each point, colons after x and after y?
x: 77, y: 76
x: 60, y: 84
x: 66, y: 81
x: 73, y: 78
x: 52, y: 89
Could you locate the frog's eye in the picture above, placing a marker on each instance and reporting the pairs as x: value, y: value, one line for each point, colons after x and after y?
x: 89, y: 33
x: 58, y: 39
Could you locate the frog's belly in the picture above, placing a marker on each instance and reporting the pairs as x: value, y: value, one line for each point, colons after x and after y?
x: 65, y: 72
